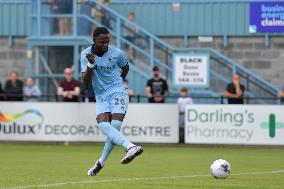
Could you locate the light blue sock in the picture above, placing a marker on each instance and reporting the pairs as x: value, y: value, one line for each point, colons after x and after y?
x: 108, y: 144
x: 114, y: 135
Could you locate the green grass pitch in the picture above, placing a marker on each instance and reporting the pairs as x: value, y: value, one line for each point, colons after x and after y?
x: 25, y: 166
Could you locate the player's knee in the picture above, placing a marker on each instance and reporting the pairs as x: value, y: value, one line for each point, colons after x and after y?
x: 117, y: 116
x: 104, y: 117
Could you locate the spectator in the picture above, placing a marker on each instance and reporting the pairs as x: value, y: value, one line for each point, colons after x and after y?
x: 182, y: 101
x: 31, y: 91
x: 69, y: 88
x: 1, y: 93
x: 64, y: 23
x: 157, y: 88
x: 281, y: 95
x: 130, y: 33
x: 84, y: 25
x: 106, y: 16
x: 129, y: 91
x: 14, y: 88
x: 235, y: 91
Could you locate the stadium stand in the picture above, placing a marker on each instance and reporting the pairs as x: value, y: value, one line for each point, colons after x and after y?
x: 232, y: 50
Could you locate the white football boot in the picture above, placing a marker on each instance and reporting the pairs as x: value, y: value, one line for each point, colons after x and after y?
x: 131, y: 154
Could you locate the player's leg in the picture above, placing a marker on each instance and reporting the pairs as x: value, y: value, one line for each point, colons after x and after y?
x: 113, y: 137
x: 109, y: 145
x: 113, y: 134
x: 98, y: 165
x: 103, y: 113
x: 119, y: 108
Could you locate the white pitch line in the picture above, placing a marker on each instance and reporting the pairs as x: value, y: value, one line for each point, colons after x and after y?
x: 134, y: 179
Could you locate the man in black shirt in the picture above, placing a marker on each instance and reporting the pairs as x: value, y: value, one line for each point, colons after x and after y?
x: 235, y: 91
x: 157, y: 88
x: 14, y: 88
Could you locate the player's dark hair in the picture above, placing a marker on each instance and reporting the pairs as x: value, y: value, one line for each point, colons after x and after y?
x: 100, y: 30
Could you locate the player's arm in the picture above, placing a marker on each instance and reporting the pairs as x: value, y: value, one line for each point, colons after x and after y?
x: 124, y: 72
x: 87, y: 76
x: 123, y: 64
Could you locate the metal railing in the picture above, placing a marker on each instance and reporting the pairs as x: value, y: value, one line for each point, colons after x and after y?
x: 144, y: 99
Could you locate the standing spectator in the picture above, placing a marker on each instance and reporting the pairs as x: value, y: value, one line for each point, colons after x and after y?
x: 182, y: 101
x: 129, y: 91
x: 31, y: 91
x: 64, y: 23
x: 84, y: 25
x: 14, y: 88
x: 1, y: 93
x: 281, y: 95
x: 106, y: 16
x: 235, y: 91
x: 69, y: 88
x: 157, y: 88
x: 130, y: 33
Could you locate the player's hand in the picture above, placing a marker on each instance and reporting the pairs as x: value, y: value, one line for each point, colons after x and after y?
x: 91, y: 58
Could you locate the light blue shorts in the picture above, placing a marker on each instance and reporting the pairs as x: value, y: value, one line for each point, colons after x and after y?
x: 114, y: 100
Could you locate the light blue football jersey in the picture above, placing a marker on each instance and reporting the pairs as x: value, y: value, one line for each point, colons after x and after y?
x: 106, y: 73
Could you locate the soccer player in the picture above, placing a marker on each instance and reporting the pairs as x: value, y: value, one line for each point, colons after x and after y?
x: 101, y: 64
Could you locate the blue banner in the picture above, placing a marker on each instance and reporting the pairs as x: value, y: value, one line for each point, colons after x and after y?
x: 266, y: 17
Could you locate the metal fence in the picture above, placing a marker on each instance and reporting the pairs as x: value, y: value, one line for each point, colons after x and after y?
x: 144, y: 99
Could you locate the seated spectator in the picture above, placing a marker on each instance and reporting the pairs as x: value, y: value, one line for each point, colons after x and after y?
x: 1, y: 93
x: 235, y: 91
x: 182, y: 101
x: 69, y: 88
x: 13, y: 88
x: 129, y: 91
x: 31, y: 91
x: 157, y: 88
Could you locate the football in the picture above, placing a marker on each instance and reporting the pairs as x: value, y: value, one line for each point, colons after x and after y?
x: 220, y: 169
